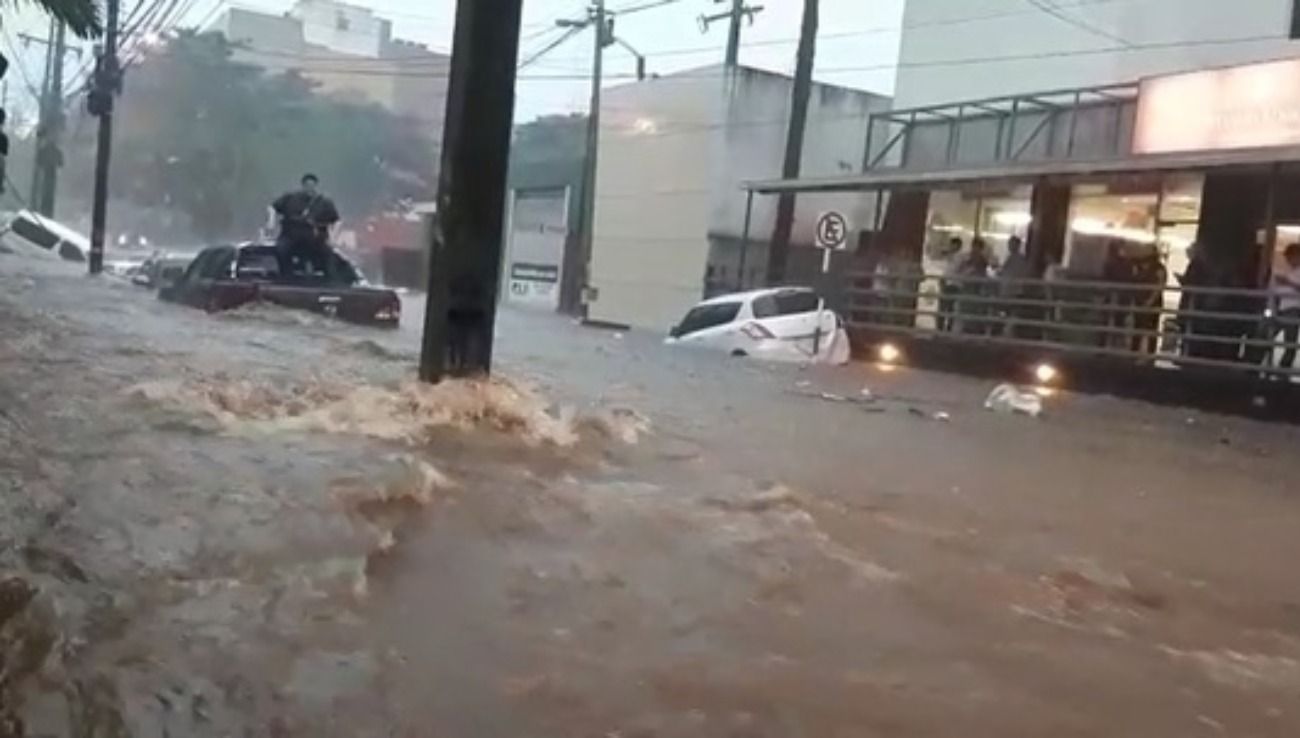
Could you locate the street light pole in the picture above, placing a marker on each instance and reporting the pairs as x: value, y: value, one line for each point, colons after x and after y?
x: 466, y: 248
x: 738, y: 13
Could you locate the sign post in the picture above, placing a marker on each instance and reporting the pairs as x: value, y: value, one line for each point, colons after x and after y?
x: 832, y: 235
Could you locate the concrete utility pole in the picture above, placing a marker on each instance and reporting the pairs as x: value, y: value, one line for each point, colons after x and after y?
x: 465, y: 255
x: 738, y: 13
x: 779, y: 251
x: 49, y: 132
x: 106, y: 83
x: 604, y: 36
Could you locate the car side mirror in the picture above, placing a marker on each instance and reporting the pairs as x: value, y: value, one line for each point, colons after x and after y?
x: 675, y: 331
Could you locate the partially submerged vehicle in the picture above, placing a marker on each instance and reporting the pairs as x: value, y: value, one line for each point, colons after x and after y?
x: 226, y: 277
x: 790, y: 324
x: 35, y: 230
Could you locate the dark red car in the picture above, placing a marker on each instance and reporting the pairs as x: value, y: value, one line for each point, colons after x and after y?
x: 226, y: 277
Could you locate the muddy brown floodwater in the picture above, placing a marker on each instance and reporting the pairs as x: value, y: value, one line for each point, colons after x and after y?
x: 255, y: 524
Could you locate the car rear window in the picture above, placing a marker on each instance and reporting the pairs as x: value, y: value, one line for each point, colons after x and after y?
x: 796, y: 303
x: 254, y: 263
x: 707, y: 316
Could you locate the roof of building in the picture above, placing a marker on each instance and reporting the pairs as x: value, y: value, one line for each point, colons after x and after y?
x: 889, y: 178
x: 718, y: 71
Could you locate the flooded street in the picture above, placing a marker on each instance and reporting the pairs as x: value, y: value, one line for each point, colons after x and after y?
x: 256, y: 524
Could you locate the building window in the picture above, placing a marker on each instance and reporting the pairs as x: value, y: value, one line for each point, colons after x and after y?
x: 342, y: 23
x: 1295, y: 18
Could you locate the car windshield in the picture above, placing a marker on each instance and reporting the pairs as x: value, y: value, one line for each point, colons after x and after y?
x: 707, y: 316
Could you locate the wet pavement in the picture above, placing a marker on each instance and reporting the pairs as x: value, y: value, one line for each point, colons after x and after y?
x: 255, y: 524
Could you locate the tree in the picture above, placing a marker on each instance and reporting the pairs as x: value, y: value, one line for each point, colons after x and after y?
x: 779, y: 252
x: 217, y: 140
x: 80, y: 16
x: 550, y: 138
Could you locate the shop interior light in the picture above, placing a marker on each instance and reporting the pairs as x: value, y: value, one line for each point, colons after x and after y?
x: 889, y: 353
x: 1095, y: 227
x: 1013, y: 218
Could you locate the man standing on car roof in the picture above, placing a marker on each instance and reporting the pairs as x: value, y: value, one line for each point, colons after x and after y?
x: 305, y: 217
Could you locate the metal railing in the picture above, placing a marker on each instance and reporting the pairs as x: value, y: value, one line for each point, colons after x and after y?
x: 1164, y: 325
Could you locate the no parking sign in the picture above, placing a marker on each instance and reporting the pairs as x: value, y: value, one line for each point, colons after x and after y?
x: 832, y: 231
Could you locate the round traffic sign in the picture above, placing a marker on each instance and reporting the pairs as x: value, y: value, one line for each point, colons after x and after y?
x: 832, y: 230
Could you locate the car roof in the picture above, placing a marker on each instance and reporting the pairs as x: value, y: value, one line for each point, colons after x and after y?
x: 754, y: 294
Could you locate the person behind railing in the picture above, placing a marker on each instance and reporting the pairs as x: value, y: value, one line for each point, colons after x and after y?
x: 1055, y: 280
x: 897, y: 282
x: 1199, y: 273
x: 1012, y: 275
x: 1118, y: 273
x: 1148, y: 271
x: 949, y: 286
x: 1286, y: 298
x: 973, y: 273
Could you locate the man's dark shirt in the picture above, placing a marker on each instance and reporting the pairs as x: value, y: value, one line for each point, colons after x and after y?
x: 304, y: 216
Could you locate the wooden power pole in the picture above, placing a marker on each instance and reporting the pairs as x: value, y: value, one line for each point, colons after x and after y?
x: 779, y: 252
x: 465, y: 255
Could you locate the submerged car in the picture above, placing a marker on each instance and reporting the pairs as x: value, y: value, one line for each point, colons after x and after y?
x: 226, y: 277
x: 789, y: 324
x: 35, y: 230
x: 162, y: 269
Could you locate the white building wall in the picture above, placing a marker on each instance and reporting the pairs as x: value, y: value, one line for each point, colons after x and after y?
x: 344, y: 28
x: 954, y: 50
x: 653, y: 198
x: 674, y: 153
x: 834, y: 144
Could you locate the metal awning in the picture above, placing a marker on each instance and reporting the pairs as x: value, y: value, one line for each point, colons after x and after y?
x: 887, y: 179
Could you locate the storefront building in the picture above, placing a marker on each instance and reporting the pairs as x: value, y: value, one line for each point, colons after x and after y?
x: 1112, y: 192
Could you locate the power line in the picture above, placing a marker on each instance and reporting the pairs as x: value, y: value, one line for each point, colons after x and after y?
x: 568, y: 34
x: 21, y: 64
x: 629, y: 10
x: 686, y: 51
x: 1048, y: 7
x: 702, y: 74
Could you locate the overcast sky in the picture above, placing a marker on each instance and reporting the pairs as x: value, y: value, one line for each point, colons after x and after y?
x: 858, y: 42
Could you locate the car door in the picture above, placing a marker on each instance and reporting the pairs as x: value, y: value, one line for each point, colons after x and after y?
x: 210, y: 282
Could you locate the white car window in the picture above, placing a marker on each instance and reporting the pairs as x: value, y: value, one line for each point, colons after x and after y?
x: 704, y: 317
x: 796, y: 303
x: 765, y: 307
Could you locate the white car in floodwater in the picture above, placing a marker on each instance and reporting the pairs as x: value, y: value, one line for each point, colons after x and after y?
x: 789, y: 324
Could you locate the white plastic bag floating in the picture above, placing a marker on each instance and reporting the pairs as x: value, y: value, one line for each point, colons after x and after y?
x: 836, y: 351
x: 1010, y: 399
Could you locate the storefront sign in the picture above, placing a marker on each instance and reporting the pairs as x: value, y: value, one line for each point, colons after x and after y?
x: 535, y: 284
x: 1233, y: 108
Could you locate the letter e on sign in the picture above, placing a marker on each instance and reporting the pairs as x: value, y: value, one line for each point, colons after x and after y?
x: 832, y: 231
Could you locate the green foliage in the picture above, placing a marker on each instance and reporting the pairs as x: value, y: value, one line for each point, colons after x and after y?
x: 551, y: 138
x: 80, y: 16
x: 218, y: 140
